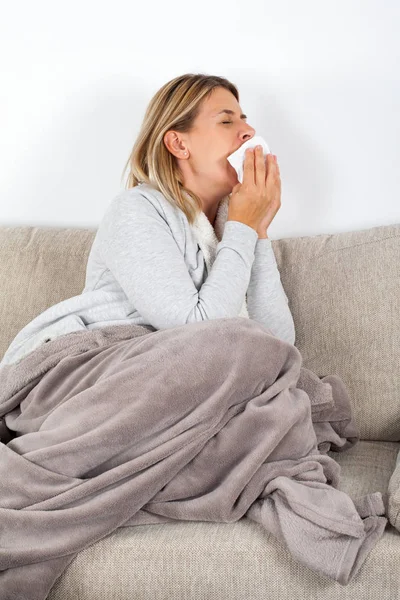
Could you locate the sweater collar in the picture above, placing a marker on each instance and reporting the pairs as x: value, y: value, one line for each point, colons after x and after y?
x: 203, y: 225
x: 208, y: 236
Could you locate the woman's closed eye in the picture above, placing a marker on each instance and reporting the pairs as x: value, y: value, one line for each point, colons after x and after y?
x: 223, y: 122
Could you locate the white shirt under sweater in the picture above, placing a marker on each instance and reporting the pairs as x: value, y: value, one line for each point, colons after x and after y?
x: 149, y: 266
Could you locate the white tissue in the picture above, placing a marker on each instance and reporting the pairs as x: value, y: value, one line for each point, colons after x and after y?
x: 237, y: 158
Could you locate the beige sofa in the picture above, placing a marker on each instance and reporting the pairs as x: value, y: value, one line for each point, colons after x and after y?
x: 344, y: 294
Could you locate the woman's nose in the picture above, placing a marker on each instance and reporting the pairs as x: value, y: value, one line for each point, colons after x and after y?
x: 247, y: 135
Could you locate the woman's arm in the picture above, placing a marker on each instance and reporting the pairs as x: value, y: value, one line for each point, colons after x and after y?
x: 267, y: 302
x: 138, y: 246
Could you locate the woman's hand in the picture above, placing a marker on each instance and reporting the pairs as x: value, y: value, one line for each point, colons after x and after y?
x: 273, y: 180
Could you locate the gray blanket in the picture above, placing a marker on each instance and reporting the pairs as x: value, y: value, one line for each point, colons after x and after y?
x: 211, y: 421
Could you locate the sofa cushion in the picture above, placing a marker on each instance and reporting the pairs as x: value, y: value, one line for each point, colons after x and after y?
x: 39, y: 267
x: 343, y: 292
x: 233, y: 561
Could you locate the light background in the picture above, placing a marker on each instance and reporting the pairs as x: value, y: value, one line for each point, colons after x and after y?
x: 320, y: 81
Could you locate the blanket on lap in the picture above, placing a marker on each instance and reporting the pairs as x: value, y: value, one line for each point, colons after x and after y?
x: 211, y: 421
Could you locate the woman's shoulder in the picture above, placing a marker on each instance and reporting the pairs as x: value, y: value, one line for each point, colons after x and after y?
x: 135, y: 212
x: 142, y: 199
x: 135, y: 207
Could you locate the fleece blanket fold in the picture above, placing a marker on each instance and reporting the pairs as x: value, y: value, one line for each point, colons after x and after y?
x: 210, y: 421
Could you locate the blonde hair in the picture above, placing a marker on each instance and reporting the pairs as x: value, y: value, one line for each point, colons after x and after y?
x: 175, y: 106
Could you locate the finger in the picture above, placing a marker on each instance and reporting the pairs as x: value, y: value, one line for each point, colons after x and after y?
x: 270, y: 163
x: 274, y: 162
x: 248, y: 166
x: 260, y: 166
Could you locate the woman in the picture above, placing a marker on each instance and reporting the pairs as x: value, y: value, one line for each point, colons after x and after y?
x: 151, y: 402
x: 150, y: 263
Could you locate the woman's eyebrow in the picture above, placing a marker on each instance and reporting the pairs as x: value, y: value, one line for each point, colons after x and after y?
x: 230, y: 112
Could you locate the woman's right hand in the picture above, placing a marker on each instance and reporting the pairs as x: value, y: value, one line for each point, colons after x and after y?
x: 260, y: 192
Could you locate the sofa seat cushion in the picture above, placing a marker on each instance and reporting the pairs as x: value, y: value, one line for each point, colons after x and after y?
x: 233, y: 561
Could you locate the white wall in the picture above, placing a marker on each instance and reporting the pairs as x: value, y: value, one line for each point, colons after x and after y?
x: 319, y: 80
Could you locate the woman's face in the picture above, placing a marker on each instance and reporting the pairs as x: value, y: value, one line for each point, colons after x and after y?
x: 215, y: 135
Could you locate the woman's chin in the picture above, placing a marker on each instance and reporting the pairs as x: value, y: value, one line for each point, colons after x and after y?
x: 234, y: 180
x: 232, y: 174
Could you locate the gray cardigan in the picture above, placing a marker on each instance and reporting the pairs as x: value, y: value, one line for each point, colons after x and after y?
x: 145, y: 267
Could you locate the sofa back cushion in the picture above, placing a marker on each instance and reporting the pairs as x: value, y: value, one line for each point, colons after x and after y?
x: 344, y: 295
x: 343, y: 291
x: 39, y: 267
